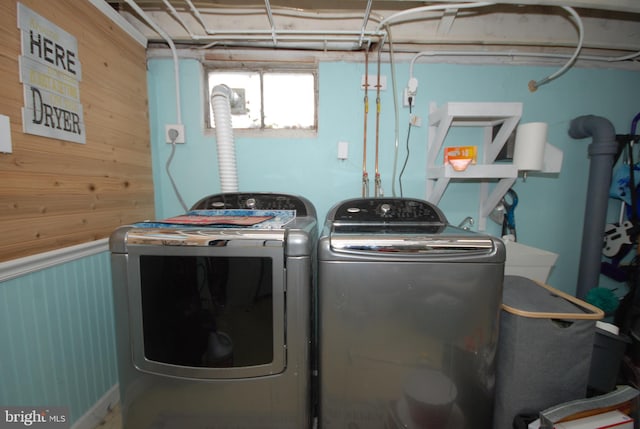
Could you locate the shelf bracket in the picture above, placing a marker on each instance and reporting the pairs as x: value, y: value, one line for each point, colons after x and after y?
x: 489, y: 201
x: 435, y: 189
x: 507, y: 128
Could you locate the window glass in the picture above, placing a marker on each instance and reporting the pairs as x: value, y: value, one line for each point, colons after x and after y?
x: 268, y: 99
x: 289, y: 100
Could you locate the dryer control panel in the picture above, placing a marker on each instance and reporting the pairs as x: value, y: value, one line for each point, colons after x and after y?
x: 376, y: 210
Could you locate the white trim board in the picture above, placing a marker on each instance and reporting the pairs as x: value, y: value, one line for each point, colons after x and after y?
x: 29, y: 264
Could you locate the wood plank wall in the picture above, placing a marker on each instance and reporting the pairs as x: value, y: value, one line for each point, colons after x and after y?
x: 54, y: 193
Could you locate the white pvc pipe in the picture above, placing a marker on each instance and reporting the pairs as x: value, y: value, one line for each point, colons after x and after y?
x: 167, y: 38
x: 176, y: 76
x: 176, y: 15
x: 514, y: 54
x: 196, y: 12
x: 227, y: 169
x: 533, y: 85
x: 367, y: 12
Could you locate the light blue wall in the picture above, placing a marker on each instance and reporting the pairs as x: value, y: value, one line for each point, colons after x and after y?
x: 551, y: 209
x: 57, y: 336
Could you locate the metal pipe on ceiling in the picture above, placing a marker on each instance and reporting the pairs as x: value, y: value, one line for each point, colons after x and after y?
x: 434, y: 7
x: 446, y: 21
x: 271, y: 22
x: 176, y: 15
x: 320, y: 39
x: 367, y: 12
x: 196, y: 12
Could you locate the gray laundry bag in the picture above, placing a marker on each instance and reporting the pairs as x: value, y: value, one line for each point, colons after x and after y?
x: 544, y: 349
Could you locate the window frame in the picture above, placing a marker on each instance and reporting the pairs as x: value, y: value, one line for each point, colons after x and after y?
x: 261, y: 67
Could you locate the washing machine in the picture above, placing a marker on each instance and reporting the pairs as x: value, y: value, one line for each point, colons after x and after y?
x: 408, y: 318
x: 213, y: 315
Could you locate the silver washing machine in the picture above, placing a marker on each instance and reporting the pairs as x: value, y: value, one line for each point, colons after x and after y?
x: 408, y: 318
x: 213, y: 315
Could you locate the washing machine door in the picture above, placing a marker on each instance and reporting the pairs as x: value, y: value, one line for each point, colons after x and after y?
x: 208, y: 312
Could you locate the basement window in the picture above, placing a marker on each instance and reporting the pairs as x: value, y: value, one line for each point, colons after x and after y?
x: 268, y: 99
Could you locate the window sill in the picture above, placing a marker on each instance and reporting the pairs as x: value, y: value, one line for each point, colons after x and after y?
x: 268, y: 133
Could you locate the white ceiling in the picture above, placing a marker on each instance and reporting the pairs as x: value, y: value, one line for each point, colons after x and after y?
x: 610, y: 28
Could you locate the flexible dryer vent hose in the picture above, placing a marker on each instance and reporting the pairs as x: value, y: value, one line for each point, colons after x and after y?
x: 221, y: 105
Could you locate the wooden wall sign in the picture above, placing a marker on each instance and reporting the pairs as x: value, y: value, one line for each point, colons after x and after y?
x: 50, y: 72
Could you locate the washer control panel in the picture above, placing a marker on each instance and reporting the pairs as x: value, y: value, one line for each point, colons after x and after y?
x: 377, y: 210
x: 253, y: 201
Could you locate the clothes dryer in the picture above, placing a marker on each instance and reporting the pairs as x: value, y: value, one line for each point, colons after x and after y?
x: 408, y: 318
x: 212, y: 314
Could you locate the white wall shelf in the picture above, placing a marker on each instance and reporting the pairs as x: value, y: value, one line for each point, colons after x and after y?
x: 485, y: 115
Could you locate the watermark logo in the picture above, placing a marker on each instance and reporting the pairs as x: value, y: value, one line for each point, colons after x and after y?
x: 34, y: 417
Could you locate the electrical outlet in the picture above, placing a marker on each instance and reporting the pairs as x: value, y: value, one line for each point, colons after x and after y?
x: 405, y: 99
x: 177, y: 127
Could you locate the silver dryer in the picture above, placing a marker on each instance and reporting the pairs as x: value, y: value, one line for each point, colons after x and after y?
x: 213, y: 321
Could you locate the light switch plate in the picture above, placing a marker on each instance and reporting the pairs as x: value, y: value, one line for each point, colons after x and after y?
x: 5, y: 134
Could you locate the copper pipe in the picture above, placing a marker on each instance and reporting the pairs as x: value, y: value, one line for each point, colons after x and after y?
x: 377, y: 183
x: 365, y: 175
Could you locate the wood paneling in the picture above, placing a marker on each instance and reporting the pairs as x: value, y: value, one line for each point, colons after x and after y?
x: 55, y: 193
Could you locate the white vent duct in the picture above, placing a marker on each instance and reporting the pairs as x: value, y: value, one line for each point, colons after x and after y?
x: 221, y: 96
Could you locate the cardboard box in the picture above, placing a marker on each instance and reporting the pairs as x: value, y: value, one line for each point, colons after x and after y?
x: 612, y: 419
